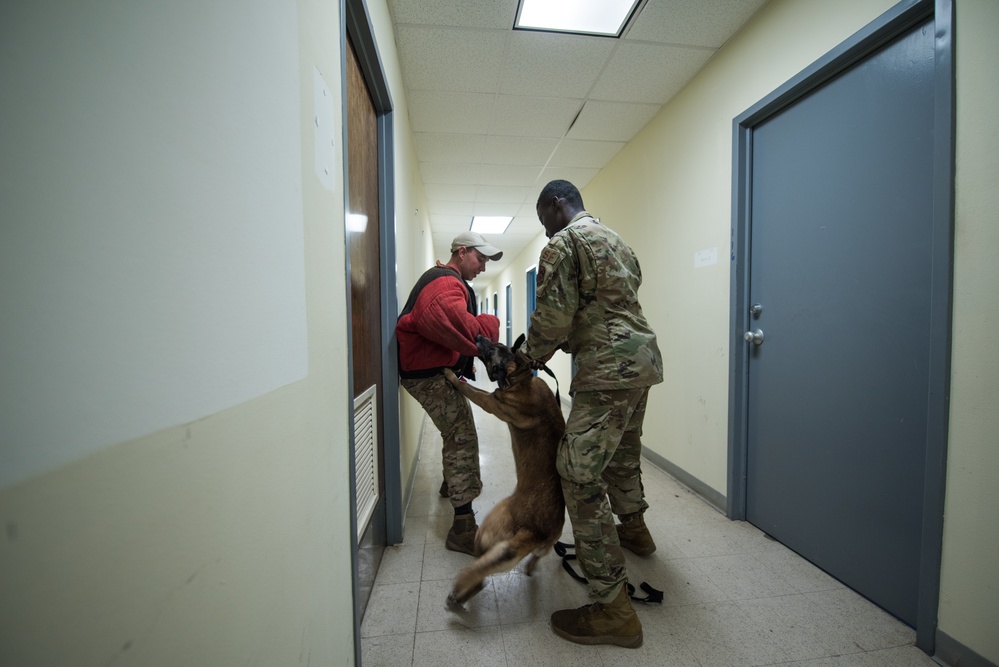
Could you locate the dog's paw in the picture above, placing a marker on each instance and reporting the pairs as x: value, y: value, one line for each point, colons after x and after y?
x: 454, y: 605
x: 451, y: 377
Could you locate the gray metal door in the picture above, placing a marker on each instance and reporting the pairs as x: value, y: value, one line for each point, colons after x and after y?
x: 841, y: 213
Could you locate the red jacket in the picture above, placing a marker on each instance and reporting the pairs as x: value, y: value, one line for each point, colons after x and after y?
x: 440, y: 328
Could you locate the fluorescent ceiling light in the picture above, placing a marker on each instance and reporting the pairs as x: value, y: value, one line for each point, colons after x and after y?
x: 589, y: 17
x: 490, y: 224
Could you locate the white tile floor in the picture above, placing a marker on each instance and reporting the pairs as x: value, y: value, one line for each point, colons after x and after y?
x: 732, y: 596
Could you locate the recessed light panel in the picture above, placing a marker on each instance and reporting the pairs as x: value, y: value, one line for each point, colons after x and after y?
x: 587, y: 17
x: 490, y: 224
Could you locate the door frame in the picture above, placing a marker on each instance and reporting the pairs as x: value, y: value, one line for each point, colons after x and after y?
x: 508, y: 295
x: 357, y: 24
x: 890, y: 25
x: 358, y: 27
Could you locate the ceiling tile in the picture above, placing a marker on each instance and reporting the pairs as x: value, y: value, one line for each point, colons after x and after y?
x: 468, y: 13
x: 611, y: 121
x: 437, y: 147
x: 591, y: 154
x: 455, y: 59
x: 440, y: 207
x: 650, y: 73
x: 529, y: 209
x: 506, y: 174
x: 692, y: 22
x: 533, y: 151
x: 453, y: 224
x: 496, y: 208
x: 547, y: 64
x: 502, y: 193
x: 491, y: 107
x: 446, y: 112
x: 533, y: 116
x: 577, y: 176
x: 449, y: 173
x: 446, y: 192
x: 525, y: 227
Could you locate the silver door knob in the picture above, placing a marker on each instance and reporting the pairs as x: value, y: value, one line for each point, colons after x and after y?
x: 755, y: 337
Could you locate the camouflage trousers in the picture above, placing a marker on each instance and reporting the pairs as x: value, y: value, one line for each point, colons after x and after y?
x: 452, y: 416
x: 599, y: 460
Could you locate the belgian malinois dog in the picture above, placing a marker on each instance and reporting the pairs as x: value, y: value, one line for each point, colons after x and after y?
x: 529, y: 522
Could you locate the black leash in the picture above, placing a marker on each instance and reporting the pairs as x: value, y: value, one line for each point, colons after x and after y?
x: 549, y: 371
x: 651, y: 594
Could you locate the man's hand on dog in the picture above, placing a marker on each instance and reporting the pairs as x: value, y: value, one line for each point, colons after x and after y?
x: 538, y: 364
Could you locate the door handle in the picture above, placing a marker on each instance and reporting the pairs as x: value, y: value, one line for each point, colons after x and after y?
x: 755, y: 337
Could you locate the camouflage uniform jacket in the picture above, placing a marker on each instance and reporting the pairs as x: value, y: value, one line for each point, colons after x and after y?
x: 587, y: 303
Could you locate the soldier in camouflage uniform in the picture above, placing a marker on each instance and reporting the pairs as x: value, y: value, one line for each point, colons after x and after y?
x: 437, y: 330
x: 587, y: 304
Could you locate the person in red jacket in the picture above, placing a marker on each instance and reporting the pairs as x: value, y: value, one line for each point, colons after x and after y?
x: 436, y: 330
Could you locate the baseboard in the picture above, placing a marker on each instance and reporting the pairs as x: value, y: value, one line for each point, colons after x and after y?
x: 953, y: 653
x: 712, y: 497
x: 407, y: 495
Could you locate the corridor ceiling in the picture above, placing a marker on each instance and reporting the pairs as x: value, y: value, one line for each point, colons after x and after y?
x: 497, y: 113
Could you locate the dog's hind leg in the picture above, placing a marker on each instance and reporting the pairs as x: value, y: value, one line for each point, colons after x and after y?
x: 500, y: 557
x: 531, y: 564
x: 532, y: 561
x: 470, y: 580
x: 455, y: 605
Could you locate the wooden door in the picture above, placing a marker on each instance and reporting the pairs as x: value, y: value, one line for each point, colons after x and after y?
x: 364, y: 251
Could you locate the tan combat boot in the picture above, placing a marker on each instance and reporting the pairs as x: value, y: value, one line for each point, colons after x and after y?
x: 461, y: 537
x: 612, y: 623
x: 634, y: 536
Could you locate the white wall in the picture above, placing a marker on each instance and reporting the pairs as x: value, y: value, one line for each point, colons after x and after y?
x: 217, y: 532
x: 127, y: 311
x: 669, y: 191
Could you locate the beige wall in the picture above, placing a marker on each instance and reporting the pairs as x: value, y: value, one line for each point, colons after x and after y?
x: 219, y: 541
x: 969, y: 586
x: 669, y: 189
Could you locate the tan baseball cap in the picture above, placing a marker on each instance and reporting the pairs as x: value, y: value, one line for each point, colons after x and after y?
x: 475, y: 240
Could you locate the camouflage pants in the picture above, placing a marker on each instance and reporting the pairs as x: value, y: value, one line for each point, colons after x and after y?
x: 452, y: 416
x: 599, y: 460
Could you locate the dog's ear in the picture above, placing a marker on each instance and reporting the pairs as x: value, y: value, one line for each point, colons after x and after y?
x: 520, y: 341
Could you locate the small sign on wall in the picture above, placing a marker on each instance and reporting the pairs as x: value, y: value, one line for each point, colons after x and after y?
x: 704, y: 258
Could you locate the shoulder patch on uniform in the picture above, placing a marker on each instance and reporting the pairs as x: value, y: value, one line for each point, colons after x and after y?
x: 550, y: 255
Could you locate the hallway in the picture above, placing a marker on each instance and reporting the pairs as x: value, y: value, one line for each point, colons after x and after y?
x: 732, y: 596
